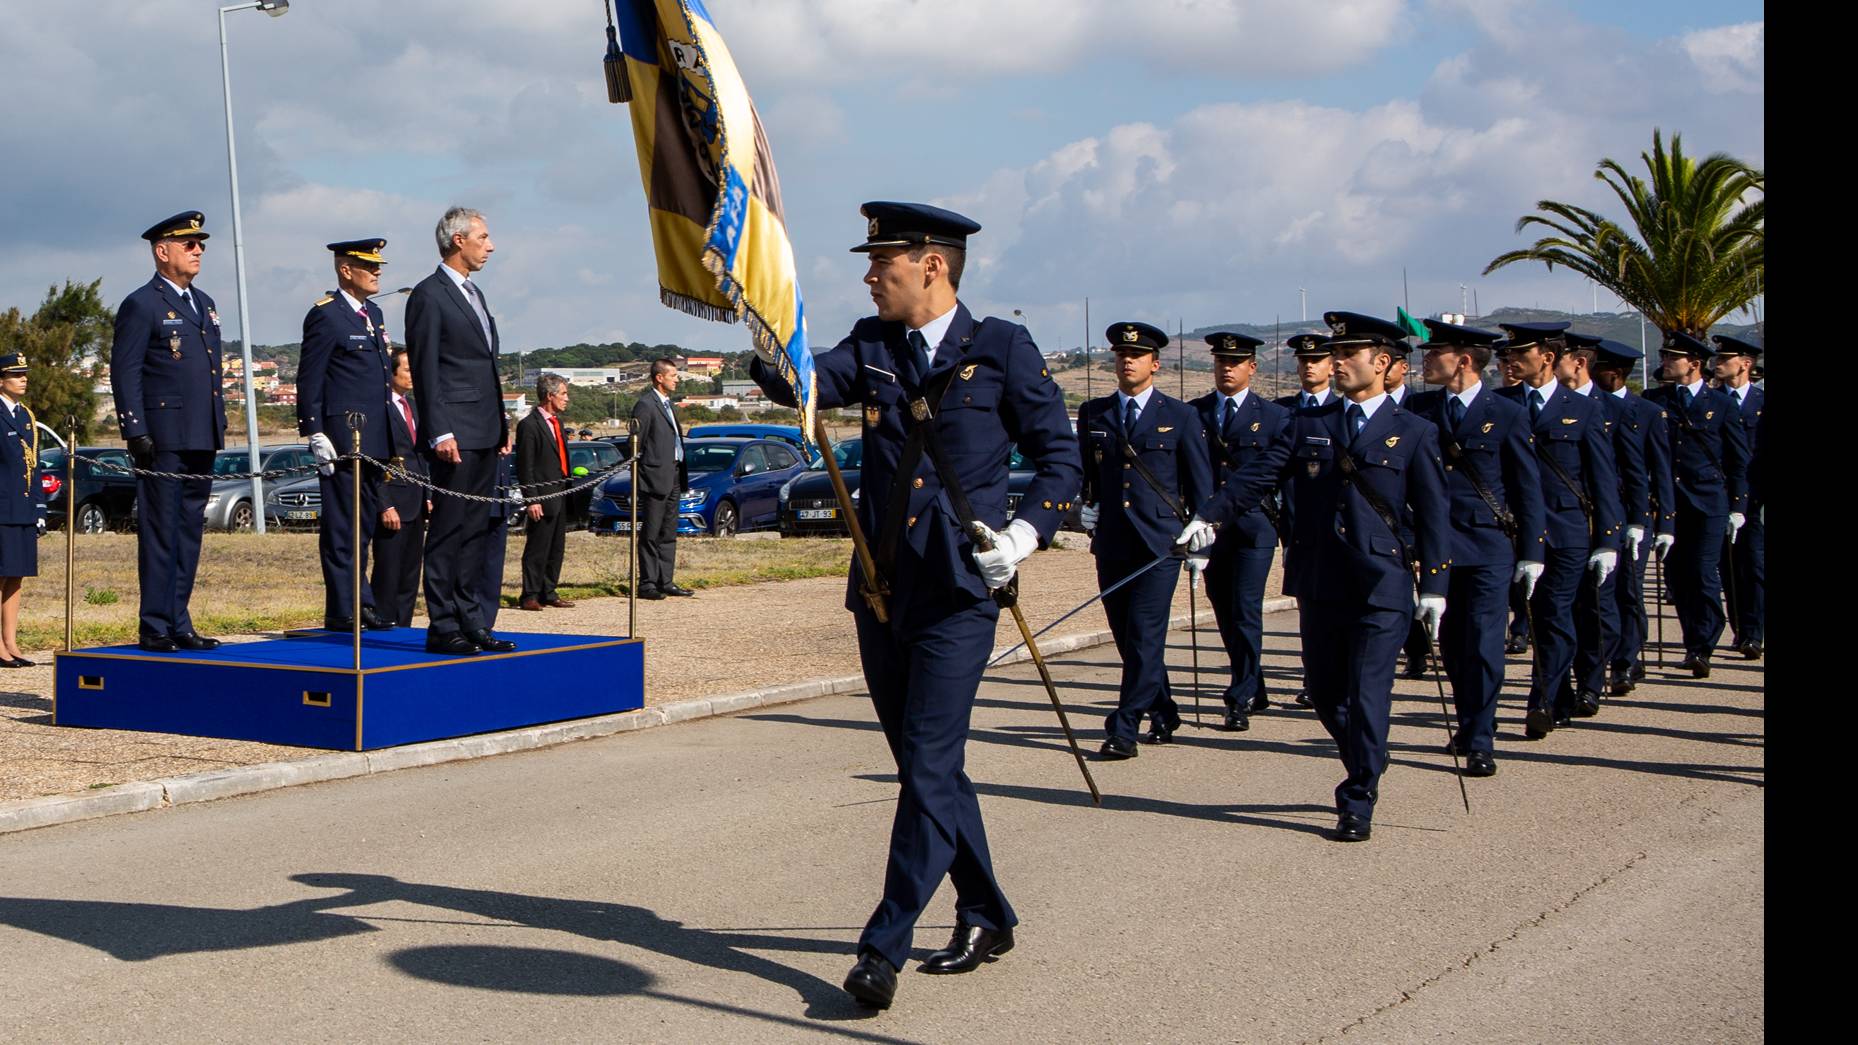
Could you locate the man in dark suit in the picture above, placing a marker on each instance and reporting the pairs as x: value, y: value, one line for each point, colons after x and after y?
x: 982, y: 388
x: 542, y: 468
x: 662, y: 480
x: 400, y: 533
x: 1735, y: 367
x: 1149, y: 473
x: 1709, y: 460
x: 1240, y: 426
x: 346, y: 369
x: 452, y: 342
x: 1352, y: 468
x: 1639, y: 433
x: 164, y: 375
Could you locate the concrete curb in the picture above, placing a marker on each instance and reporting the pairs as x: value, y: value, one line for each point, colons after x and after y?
x: 140, y: 796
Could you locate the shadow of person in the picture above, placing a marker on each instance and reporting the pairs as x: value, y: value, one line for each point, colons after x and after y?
x: 522, y: 970
x: 139, y: 932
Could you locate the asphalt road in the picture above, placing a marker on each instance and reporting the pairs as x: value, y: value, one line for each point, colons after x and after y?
x: 706, y: 881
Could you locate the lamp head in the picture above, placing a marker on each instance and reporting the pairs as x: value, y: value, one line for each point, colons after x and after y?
x: 274, y: 8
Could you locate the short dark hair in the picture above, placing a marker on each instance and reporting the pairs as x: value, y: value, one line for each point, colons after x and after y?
x: 1586, y: 355
x: 1480, y: 356
x: 400, y: 353
x: 663, y: 364
x: 956, y: 258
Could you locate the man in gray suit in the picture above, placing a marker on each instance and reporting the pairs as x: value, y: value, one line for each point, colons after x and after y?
x: 662, y: 479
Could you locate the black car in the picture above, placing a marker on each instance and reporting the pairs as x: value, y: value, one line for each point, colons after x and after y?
x: 105, y: 495
x: 810, y: 509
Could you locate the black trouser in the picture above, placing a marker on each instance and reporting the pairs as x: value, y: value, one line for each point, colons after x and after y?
x: 171, y: 519
x: 396, y: 569
x: 657, y: 523
x: 1748, y: 558
x: 454, y: 549
x: 335, y: 537
x: 545, y: 540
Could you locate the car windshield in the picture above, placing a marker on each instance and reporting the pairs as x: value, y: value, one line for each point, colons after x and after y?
x: 848, y: 454
x: 232, y: 462
x: 52, y: 460
x: 711, y: 458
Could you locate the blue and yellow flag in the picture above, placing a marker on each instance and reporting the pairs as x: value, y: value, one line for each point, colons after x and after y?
x: 710, y: 186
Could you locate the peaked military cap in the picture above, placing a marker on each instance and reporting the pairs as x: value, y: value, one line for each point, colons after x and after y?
x: 1735, y: 346
x: 1523, y: 335
x: 890, y: 224
x: 1136, y: 337
x: 1308, y: 344
x: 1450, y: 335
x: 1353, y: 328
x: 185, y: 225
x: 360, y: 250
x: 13, y: 363
x: 1226, y: 343
x: 1617, y: 353
x: 1679, y: 343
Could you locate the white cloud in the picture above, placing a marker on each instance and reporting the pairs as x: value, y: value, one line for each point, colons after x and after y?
x: 1731, y: 57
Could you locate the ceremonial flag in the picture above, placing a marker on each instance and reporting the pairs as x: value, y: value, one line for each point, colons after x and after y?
x: 1413, y: 326
x: 710, y: 186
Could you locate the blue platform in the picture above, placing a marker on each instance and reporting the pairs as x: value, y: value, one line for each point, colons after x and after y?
x: 305, y: 691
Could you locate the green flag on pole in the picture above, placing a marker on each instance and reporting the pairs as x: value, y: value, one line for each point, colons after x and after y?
x: 1417, y: 328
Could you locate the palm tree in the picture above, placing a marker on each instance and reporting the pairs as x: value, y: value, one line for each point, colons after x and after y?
x: 1697, y: 255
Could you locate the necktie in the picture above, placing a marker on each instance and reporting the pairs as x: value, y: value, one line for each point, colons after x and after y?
x: 187, y: 299
x: 1309, y: 400
x: 677, y: 450
x: 407, y: 412
x: 561, y: 448
x: 477, y: 305
x: 919, y: 353
x: 1129, y: 415
x: 1225, y: 422
x: 1535, y: 405
x: 1454, y: 412
x: 1685, y: 397
x: 1357, y: 420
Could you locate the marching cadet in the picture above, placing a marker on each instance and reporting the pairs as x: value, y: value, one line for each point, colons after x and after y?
x: 347, y: 368
x: 1736, y: 365
x: 1709, y: 455
x: 164, y: 376
x: 1147, y: 472
x: 1350, y: 469
x: 1639, y: 434
x: 1240, y: 426
x: 1520, y: 637
x: 945, y: 397
x: 1315, y: 370
x: 1580, y: 491
x: 1498, y: 525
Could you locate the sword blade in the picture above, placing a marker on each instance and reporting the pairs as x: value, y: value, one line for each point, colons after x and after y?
x: 1082, y: 606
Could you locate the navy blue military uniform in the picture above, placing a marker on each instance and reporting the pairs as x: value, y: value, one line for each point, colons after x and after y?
x: 165, y: 378
x: 923, y: 666
x: 395, y: 580
x: 20, y: 499
x: 1748, y: 555
x: 347, y: 366
x: 1709, y: 458
x: 1138, y: 524
x: 1310, y: 345
x: 1237, y: 430
x: 1580, y: 491
x: 1352, y: 577
x: 1638, y: 436
x: 1486, y: 442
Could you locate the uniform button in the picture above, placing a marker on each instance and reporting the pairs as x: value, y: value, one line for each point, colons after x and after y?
x: 1341, y: 529
x: 1448, y: 467
x: 1125, y: 464
x: 1048, y: 504
x: 1125, y: 504
x: 912, y: 520
x: 1125, y: 484
x: 919, y: 482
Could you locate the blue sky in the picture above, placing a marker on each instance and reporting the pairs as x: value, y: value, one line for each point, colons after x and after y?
x: 1192, y: 160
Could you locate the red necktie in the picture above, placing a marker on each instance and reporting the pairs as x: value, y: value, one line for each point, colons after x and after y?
x: 561, y: 448
x: 407, y: 411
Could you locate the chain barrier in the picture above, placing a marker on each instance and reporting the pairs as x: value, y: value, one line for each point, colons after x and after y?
x: 385, y: 466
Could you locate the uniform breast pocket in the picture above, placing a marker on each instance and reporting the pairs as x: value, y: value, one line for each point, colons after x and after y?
x: 1384, y: 459
x: 1315, y: 455
x: 972, y: 396
x: 164, y: 403
x: 1161, y: 444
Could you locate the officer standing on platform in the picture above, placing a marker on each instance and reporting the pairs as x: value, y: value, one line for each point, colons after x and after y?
x: 1735, y: 366
x: 164, y: 375
x: 400, y: 534
x: 1641, y: 423
x: 1352, y: 468
x: 1147, y: 473
x: 1709, y: 456
x: 1497, y: 520
x: 1580, y: 491
x: 347, y: 368
x: 981, y: 387
x: 1240, y: 426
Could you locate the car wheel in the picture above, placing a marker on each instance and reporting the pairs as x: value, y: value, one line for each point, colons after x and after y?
x: 241, y: 516
x: 90, y: 519
x: 725, y: 524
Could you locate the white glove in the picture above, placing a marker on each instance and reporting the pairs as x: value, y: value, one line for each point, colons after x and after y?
x: 1431, y: 608
x: 1087, y: 517
x: 1197, y: 536
x: 1736, y: 521
x: 1602, y: 563
x: 1661, y: 544
x: 1010, y: 548
x: 1635, y: 537
x: 41, y: 527
x: 325, y: 453
x: 1196, y: 565
x: 1527, y: 573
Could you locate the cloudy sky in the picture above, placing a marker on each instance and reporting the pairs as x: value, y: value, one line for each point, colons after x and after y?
x: 1194, y: 160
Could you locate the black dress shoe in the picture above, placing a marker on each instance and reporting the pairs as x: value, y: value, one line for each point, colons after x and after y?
x: 1118, y: 747
x: 195, y: 642
x: 650, y: 594
x: 1563, y: 718
x: 1415, y: 667
x: 20, y: 662
x: 450, y: 643
x: 1237, y: 721
x: 1260, y: 702
x: 1158, y: 735
x: 1638, y: 672
x: 968, y: 949
x: 1699, y: 666
x: 372, y: 621
x: 1515, y: 645
x: 1303, y: 698
x: 1623, y: 684
x: 1586, y: 704
x: 873, y: 981
x: 1456, y: 747
x: 1480, y: 763
x: 680, y: 592
x: 338, y: 624
x: 489, y: 643
x: 1750, y: 650
x: 156, y: 644
x: 1538, y: 723
x: 1352, y: 828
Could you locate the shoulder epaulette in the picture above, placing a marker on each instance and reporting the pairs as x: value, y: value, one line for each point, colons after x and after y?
x: 324, y: 300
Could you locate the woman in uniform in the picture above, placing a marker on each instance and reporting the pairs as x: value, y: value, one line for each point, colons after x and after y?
x: 19, y: 503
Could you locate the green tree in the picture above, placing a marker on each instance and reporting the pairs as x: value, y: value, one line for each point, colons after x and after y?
x: 1693, y: 251
x: 64, y: 343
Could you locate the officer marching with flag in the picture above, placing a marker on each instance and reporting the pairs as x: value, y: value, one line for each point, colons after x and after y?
x: 1498, y: 531
x: 1580, y: 492
x: 1350, y: 469
x: 347, y: 368
x: 1240, y: 426
x: 1709, y: 458
x: 1735, y: 366
x: 1639, y: 433
x: 1147, y: 472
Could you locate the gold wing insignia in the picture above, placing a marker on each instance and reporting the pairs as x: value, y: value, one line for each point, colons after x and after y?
x: 1488, y: 425
x: 1393, y: 441
x: 967, y: 372
x: 1570, y: 420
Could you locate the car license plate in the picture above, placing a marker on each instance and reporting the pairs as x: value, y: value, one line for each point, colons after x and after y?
x: 818, y: 513
x: 300, y: 515
x: 621, y: 526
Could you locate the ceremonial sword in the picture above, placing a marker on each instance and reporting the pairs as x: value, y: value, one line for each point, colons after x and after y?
x: 1082, y: 606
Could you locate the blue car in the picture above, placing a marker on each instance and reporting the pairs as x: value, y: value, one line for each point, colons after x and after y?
x: 735, y: 485
x: 789, y: 434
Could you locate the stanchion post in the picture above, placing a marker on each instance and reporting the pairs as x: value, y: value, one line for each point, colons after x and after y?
x: 355, y: 421
x: 632, y: 532
x: 70, y: 534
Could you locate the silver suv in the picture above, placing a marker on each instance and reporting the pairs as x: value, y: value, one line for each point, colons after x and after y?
x: 229, y: 503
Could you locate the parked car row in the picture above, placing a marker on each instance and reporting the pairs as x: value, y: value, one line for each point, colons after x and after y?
x: 735, y: 485
x: 810, y: 508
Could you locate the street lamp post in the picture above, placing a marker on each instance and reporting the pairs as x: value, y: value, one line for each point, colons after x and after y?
x: 274, y: 8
